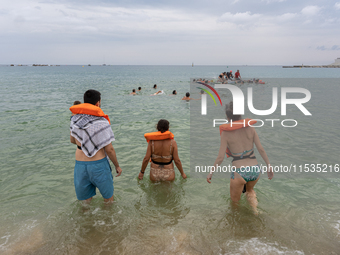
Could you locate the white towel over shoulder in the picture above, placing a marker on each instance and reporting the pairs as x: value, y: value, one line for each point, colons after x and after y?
x: 93, y: 132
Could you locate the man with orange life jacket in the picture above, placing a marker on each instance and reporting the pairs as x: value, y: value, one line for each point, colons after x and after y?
x: 91, y: 132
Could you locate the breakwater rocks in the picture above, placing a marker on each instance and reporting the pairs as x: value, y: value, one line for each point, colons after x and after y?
x: 304, y: 66
x: 336, y: 64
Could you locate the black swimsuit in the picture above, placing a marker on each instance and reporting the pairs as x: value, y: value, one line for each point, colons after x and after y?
x: 242, y: 157
x: 161, y: 163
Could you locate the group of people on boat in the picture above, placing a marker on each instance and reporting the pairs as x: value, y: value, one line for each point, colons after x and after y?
x: 227, y: 77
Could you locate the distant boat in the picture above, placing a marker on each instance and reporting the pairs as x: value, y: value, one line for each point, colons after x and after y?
x: 104, y: 64
x: 192, y: 64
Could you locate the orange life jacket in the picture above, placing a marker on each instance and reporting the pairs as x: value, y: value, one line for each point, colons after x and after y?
x: 236, y: 125
x: 158, y: 136
x: 89, y: 109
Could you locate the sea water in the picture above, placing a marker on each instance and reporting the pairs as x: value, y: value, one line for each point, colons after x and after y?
x: 39, y: 212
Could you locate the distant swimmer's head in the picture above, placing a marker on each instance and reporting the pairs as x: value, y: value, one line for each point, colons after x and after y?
x: 139, y: 88
x: 231, y: 71
x: 174, y: 92
x: 92, y: 97
x: 187, y: 94
x: 229, y: 112
x: 76, y: 102
x: 163, y: 125
x: 155, y: 86
x: 133, y: 90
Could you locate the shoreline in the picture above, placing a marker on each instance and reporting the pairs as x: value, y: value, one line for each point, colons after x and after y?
x: 304, y: 66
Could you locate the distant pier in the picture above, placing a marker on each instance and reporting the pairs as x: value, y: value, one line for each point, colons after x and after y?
x: 305, y: 66
x: 336, y: 64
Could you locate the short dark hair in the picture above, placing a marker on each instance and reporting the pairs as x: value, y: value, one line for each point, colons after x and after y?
x: 229, y: 111
x: 133, y: 90
x: 187, y: 94
x: 163, y: 125
x: 154, y: 86
x: 92, y: 96
x: 139, y: 88
x: 76, y: 102
x: 174, y: 92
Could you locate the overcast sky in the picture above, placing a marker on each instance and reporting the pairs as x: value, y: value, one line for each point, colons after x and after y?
x: 214, y: 32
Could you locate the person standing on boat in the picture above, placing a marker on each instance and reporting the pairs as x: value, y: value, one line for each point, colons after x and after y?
x: 237, y: 75
x: 221, y: 78
x: 230, y: 75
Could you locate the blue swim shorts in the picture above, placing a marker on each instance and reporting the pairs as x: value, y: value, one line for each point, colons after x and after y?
x: 91, y: 174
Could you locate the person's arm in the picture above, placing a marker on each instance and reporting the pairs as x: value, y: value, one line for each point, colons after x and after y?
x: 221, y: 152
x: 178, y: 162
x: 263, y: 154
x: 145, y: 161
x: 110, y: 151
x: 72, y: 139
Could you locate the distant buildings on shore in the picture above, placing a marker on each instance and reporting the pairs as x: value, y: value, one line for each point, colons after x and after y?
x: 336, y: 64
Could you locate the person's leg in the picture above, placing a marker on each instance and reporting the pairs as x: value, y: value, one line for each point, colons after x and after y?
x: 83, y: 187
x: 251, y: 195
x: 101, y: 177
x: 236, y: 187
x: 87, y: 201
x: 109, y: 200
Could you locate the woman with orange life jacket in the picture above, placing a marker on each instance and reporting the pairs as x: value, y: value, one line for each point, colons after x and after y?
x: 162, y: 150
x: 238, y: 142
